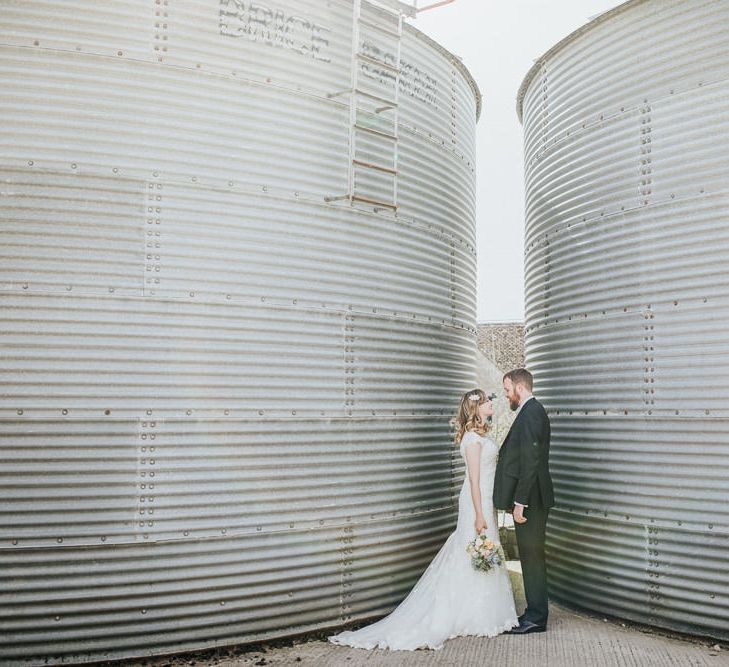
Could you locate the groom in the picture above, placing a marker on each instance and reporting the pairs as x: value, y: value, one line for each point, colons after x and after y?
x: 523, y: 486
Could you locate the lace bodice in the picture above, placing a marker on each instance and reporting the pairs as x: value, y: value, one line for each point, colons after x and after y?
x: 489, y: 449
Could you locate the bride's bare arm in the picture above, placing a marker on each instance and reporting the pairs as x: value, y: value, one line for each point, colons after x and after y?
x: 473, y: 461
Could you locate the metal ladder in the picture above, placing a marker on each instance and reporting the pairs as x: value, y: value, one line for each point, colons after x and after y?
x: 373, y: 105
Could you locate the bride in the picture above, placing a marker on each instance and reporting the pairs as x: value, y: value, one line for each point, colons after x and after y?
x: 452, y: 599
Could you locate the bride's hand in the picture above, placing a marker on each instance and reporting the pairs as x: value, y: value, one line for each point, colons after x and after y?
x: 481, y: 525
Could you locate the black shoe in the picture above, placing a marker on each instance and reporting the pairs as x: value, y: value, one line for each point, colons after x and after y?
x: 526, y: 627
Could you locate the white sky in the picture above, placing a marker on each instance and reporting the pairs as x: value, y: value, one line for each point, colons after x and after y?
x: 498, y: 41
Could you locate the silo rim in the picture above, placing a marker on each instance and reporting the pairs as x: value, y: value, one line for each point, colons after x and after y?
x: 454, y: 60
x: 606, y: 15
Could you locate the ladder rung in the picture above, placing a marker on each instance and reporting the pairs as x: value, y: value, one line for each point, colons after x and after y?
x: 346, y: 91
x: 379, y: 133
x: 387, y: 8
x: 377, y: 98
x: 379, y: 63
x: 376, y: 167
x: 374, y: 202
x: 380, y: 28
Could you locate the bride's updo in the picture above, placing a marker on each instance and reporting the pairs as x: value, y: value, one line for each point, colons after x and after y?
x: 467, y: 418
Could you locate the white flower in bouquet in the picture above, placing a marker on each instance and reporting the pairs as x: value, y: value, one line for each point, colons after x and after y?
x: 485, y: 554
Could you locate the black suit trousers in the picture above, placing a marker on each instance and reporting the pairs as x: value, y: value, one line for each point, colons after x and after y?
x: 530, y: 537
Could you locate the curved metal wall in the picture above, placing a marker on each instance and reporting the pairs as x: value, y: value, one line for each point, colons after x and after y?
x: 224, y: 406
x: 627, y: 232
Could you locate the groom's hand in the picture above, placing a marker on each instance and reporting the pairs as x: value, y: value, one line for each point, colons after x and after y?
x: 519, y: 513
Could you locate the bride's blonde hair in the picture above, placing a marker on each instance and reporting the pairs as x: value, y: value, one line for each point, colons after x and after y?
x: 467, y: 418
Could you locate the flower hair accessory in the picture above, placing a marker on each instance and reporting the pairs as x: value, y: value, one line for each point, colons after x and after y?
x: 474, y: 397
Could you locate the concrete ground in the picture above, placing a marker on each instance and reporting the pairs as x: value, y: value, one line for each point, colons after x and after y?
x: 573, y: 639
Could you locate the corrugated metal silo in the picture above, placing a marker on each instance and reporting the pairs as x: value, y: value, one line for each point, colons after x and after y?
x: 627, y: 233
x: 238, y: 303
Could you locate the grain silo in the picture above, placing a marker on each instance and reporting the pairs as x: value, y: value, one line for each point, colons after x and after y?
x: 238, y: 305
x: 627, y: 234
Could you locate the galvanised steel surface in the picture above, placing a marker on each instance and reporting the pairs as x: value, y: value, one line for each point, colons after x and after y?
x: 225, y: 390
x: 627, y: 233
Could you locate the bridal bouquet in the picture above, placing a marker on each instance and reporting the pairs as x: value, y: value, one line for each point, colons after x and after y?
x: 485, y: 555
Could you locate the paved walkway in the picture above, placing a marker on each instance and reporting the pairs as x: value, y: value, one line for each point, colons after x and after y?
x: 573, y: 640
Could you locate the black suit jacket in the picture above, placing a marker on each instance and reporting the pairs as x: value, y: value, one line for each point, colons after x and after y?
x: 522, y: 472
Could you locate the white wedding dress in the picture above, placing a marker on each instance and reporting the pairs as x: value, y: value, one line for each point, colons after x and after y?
x: 451, y: 599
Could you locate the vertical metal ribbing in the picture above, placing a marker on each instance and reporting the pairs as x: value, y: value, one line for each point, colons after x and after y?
x: 646, y: 169
x: 153, y: 237
x: 349, y: 363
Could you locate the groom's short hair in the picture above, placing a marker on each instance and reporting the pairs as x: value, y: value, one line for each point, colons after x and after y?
x: 520, y: 376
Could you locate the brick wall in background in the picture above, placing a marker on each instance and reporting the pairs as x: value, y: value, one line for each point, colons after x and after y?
x: 502, y: 343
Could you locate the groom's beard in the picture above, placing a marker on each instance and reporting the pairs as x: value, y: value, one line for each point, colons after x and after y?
x: 514, y: 403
